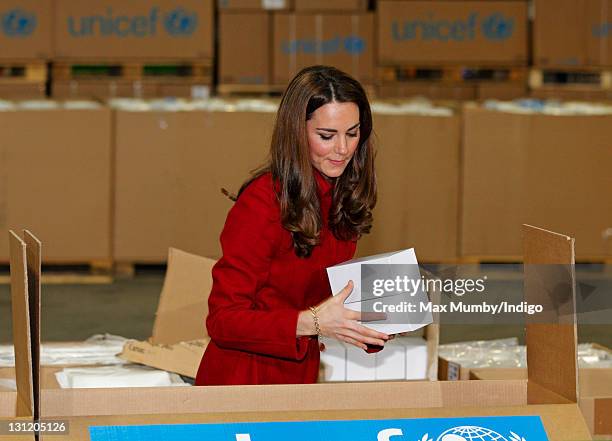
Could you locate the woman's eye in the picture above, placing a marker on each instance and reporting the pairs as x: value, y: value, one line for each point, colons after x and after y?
x: 325, y: 137
x: 352, y: 135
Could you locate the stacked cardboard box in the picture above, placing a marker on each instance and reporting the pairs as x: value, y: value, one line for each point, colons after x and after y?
x: 343, y: 40
x: 25, y: 47
x: 416, y: 152
x: 174, y: 198
x: 534, y: 167
x: 55, y: 176
x: 418, y: 35
x: 572, y: 36
x: 135, y: 40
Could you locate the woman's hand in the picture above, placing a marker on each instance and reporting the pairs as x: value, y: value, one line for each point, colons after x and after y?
x: 338, y: 322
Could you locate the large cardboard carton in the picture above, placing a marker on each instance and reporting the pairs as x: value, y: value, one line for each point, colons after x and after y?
x: 570, y: 33
x: 126, y: 30
x: 255, y: 5
x: 57, y: 179
x: 102, y: 89
x: 549, y: 392
x: 560, y: 33
x: 439, y: 32
x: 245, y: 43
x: 595, y: 394
x: 540, y: 168
x: 345, y: 41
x: 22, y: 91
x: 406, y: 215
x: 26, y: 30
x: 174, y: 199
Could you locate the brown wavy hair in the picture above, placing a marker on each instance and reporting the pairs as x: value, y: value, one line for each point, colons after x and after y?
x: 354, y: 192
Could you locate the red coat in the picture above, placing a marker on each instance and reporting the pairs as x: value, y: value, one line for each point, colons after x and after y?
x: 259, y: 287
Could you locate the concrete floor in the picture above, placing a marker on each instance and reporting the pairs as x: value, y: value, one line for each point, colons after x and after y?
x: 127, y: 308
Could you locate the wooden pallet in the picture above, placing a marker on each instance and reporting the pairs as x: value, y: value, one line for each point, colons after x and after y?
x: 199, y: 70
x: 95, y: 272
x: 129, y: 269
x: 578, y: 78
x: 452, y: 74
x: 23, y: 72
x: 249, y: 89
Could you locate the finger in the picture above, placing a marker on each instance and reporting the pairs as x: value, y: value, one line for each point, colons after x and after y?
x: 368, y: 332
x: 352, y: 341
x: 372, y: 316
x: 346, y: 291
x: 362, y: 338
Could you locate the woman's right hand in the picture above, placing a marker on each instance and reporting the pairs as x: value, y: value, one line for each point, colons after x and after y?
x: 338, y: 322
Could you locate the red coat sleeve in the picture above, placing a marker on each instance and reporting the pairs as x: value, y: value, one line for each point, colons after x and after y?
x: 248, y: 241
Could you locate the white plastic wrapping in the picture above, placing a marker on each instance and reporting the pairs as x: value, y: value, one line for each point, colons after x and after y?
x: 507, y: 353
x: 116, y: 376
x: 534, y: 106
x: 96, y: 350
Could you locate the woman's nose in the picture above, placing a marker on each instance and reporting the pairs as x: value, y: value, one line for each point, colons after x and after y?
x: 342, y: 146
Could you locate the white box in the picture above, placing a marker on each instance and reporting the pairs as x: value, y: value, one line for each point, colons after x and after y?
x: 416, y: 357
x: 362, y: 300
x: 333, y: 359
x: 360, y: 366
x: 391, y: 361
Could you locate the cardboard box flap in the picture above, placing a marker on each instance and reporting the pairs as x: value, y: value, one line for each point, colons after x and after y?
x: 34, y: 263
x: 183, y: 303
x: 551, y: 347
x: 21, y: 327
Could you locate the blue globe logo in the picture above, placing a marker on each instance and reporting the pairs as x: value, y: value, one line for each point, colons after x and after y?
x: 354, y: 44
x: 18, y: 23
x: 179, y: 22
x: 497, y: 27
x: 470, y: 433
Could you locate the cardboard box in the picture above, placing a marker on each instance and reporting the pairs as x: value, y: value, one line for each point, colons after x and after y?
x: 255, y: 5
x: 175, y: 200
x: 67, y: 194
x: 548, y: 393
x: 570, y: 33
x: 439, y: 32
x: 345, y: 41
x: 26, y: 32
x: 331, y: 5
x: 406, y: 216
x: 595, y: 388
x: 122, y: 30
x: 560, y: 32
x: 599, y: 33
x: 245, y: 41
x: 527, y: 168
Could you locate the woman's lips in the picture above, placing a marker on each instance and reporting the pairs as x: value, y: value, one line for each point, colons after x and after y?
x: 337, y: 163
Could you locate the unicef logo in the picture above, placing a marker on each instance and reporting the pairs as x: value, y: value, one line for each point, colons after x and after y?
x: 497, y: 27
x: 354, y: 45
x: 180, y: 22
x: 18, y: 23
x: 469, y: 433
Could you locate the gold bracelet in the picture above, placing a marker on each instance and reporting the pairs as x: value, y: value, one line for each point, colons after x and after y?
x: 313, y: 310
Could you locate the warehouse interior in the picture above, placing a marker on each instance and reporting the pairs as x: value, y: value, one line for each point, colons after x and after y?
x: 127, y: 130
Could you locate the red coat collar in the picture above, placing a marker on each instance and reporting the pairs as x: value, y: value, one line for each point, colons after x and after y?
x: 324, y: 184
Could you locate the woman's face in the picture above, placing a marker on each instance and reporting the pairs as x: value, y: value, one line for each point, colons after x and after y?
x: 333, y: 135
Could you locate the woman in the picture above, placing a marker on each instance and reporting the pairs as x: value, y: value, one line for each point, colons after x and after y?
x: 298, y: 215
